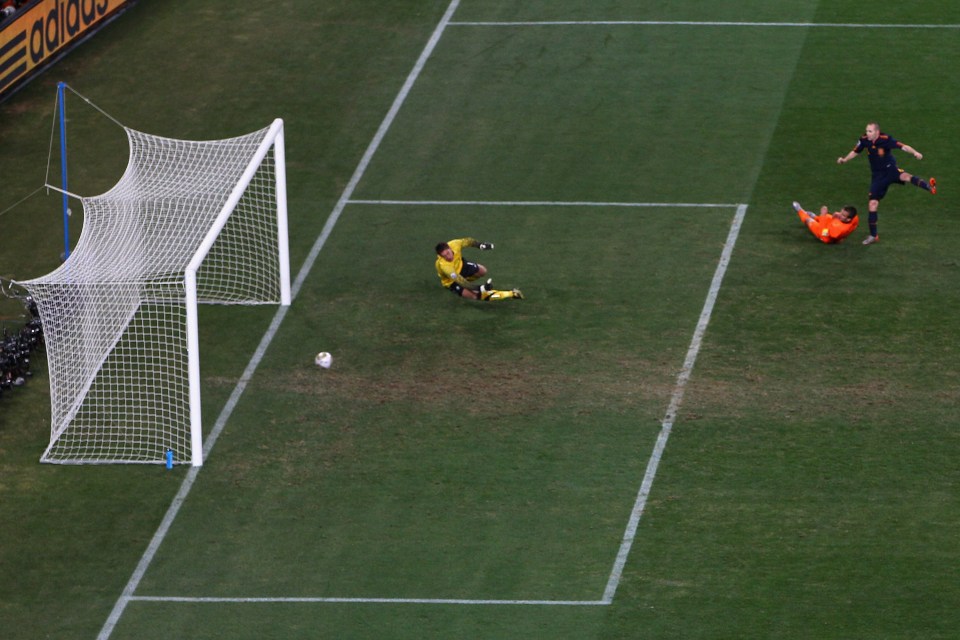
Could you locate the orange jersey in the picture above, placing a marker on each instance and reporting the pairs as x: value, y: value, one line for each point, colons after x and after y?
x: 828, y: 228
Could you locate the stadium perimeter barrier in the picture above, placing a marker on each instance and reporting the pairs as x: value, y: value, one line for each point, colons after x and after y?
x: 43, y: 31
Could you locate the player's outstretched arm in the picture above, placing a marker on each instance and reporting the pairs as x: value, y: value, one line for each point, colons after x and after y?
x: 847, y: 158
x: 916, y: 154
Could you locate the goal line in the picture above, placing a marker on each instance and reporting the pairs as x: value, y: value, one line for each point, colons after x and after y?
x: 542, y: 203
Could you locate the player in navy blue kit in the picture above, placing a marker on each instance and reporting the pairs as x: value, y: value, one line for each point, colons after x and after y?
x: 879, y: 147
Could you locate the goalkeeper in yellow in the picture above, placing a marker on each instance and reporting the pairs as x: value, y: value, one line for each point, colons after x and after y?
x: 456, y: 274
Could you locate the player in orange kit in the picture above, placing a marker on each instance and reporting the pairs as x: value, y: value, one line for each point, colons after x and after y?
x: 829, y: 227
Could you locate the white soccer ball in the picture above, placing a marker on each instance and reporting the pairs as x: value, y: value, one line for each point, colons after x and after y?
x: 323, y: 359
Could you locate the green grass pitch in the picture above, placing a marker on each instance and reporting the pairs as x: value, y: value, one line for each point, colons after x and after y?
x: 468, y: 470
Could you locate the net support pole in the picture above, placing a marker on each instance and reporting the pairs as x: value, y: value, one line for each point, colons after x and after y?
x: 193, y: 367
x: 63, y: 167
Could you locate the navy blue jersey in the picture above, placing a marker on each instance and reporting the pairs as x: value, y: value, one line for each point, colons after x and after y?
x: 880, y: 152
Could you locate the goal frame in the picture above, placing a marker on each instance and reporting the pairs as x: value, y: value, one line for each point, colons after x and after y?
x: 274, y: 138
x: 187, y: 430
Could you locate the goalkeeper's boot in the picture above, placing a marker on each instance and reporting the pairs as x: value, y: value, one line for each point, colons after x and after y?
x: 486, y: 289
x: 933, y: 185
x: 797, y: 207
x: 517, y: 294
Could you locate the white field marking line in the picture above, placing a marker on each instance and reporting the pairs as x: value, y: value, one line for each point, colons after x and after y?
x: 632, y: 525
x: 640, y: 503
x: 673, y: 408
x: 652, y: 465
x: 374, y: 145
x: 227, y: 411
x: 535, y: 203
x: 691, y: 23
x: 452, y: 601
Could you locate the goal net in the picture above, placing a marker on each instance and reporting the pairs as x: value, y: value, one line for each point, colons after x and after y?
x: 188, y: 222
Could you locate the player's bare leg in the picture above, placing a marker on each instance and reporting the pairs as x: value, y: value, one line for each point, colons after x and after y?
x: 927, y: 185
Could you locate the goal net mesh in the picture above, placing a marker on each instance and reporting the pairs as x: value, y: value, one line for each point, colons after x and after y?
x: 115, y: 313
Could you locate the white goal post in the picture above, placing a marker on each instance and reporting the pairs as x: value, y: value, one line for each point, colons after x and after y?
x: 189, y: 222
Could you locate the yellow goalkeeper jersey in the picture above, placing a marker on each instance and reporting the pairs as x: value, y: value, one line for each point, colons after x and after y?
x: 449, y: 270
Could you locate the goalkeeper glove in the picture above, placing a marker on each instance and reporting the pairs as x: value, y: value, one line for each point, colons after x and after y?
x: 486, y: 245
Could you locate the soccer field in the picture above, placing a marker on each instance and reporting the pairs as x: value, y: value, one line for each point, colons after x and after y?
x: 699, y: 423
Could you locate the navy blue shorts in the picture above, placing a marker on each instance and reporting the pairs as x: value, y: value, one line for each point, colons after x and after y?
x: 468, y: 270
x: 882, y: 180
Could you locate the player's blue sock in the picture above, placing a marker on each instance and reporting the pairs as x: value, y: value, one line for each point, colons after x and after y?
x: 914, y: 180
x: 872, y: 221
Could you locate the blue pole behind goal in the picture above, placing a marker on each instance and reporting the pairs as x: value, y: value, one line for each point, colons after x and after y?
x: 63, y: 169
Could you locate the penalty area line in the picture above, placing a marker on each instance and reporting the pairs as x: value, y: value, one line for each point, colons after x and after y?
x: 640, y: 502
x: 318, y: 600
x: 693, y: 23
x: 674, y: 407
x: 541, y: 203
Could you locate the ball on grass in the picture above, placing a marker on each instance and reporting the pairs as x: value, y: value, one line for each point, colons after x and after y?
x: 323, y: 360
